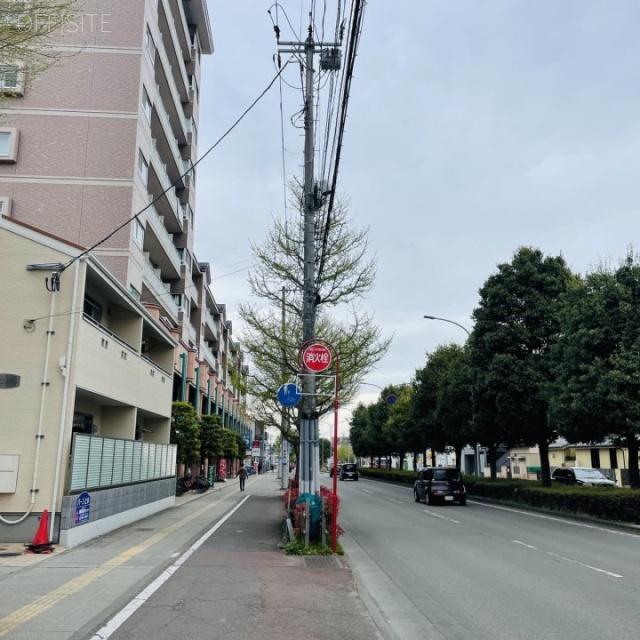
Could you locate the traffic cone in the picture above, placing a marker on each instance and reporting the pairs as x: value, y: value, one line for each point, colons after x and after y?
x: 40, y: 543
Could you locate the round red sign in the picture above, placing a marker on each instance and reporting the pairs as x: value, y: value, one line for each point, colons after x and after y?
x: 316, y: 357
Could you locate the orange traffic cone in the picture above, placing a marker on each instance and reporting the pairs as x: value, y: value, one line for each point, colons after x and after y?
x: 40, y: 543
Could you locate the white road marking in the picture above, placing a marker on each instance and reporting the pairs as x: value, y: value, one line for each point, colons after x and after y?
x: 580, y: 564
x: 561, y: 520
x: 438, y: 515
x: 367, y: 491
x: 524, y: 544
x: 586, y: 566
x: 129, y: 609
x: 393, y: 500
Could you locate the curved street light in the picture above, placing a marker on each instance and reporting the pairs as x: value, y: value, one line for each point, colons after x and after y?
x: 450, y: 321
x: 477, y: 446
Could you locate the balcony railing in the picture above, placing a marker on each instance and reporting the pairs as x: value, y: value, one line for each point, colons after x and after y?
x: 156, y: 222
x: 165, y: 121
x: 213, y: 325
x: 174, y: 42
x: 160, y: 289
x: 191, y: 332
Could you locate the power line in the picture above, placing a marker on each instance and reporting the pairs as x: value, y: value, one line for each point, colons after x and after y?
x: 200, y: 159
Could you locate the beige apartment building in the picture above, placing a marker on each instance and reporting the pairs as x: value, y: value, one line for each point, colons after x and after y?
x: 98, y: 154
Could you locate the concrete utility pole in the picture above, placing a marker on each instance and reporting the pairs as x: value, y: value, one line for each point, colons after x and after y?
x: 284, y: 445
x: 330, y: 60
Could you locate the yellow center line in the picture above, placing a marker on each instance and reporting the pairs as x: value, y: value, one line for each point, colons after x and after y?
x: 39, y: 606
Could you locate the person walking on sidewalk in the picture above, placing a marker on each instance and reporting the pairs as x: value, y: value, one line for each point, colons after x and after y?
x: 242, y: 474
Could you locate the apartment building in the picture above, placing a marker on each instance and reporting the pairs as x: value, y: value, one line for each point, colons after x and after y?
x: 99, y: 153
x: 107, y: 140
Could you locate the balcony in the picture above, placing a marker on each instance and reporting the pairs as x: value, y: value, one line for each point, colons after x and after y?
x: 179, y: 90
x: 108, y: 367
x: 168, y: 205
x: 207, y: 355
x: 191, y: 332
x: 166, y: 143
x: 182, y: 29
x: 211, y: 326
x: 158, y: 242
x: 160, y: 291
x: 168, y: 87
x: 174, y: 49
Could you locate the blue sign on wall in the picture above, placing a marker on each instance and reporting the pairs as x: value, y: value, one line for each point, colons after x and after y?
x: 83, y: 508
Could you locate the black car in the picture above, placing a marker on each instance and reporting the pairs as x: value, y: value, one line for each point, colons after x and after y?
x: 582, y: 476
x: 348, y: 471
x: 331, y: 471
x: 440, y: 484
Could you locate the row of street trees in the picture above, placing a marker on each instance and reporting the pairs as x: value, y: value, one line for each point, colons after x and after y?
x: 203, y: 441
x: 551, y: 353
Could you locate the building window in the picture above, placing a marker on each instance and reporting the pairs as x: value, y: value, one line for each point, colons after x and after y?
x: 146, y: 104
x: 8, y: 145
x: 11, y: 80
x: 92, y: 309
x: 151, y: 45
x: 143, y: 168
x: 5, y: 206
x: 138, y: 233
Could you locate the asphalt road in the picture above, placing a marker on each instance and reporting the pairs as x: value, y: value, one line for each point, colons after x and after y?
x: 488, y: 572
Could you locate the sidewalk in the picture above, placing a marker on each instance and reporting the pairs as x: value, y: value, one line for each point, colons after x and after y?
x: 74, y: 593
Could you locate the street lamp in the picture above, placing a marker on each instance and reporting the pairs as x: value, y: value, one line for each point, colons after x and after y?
x: 476, y: 446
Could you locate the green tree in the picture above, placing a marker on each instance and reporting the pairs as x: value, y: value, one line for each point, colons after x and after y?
x: 345, y: 453
x: 230, y: 444
x: 273, y: 334
x: 597, y: 391
x: 361, y: 436
x: 516, y: 324
x: 326, y: 451
x: 211, y: 445
x: 446, y: 383
x: 185, y: 432
x: 241, y: 445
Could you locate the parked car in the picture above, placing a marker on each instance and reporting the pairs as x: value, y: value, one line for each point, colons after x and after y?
x: 582, y: 476
x: 348, y: 471
x: 331, y: 471
x: 440, y: 484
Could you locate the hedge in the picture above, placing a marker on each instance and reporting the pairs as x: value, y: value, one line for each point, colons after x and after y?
x: 614, y: 504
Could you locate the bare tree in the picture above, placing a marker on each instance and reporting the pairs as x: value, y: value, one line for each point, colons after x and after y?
x: 273, y: 332
x: 29, y: 30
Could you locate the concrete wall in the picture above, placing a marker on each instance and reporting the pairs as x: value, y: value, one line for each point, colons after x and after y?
x: 114, y: 508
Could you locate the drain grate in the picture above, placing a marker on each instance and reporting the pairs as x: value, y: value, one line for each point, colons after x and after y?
x: 322, y: 562
x: 9, y: 554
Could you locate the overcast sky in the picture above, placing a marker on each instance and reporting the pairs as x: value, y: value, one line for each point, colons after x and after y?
x: 475, y: 127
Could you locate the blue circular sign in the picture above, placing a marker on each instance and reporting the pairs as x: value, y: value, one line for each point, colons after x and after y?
x: 289, y: 395
x: 392, y: 399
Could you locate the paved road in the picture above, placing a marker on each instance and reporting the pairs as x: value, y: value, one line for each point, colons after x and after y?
x: 488, y: 572
x: 209, y: 568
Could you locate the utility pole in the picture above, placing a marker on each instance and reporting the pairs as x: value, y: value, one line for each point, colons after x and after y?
x: 284, y: 445
x: 330, y: 60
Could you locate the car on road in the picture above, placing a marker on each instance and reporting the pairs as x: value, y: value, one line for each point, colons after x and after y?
x: 348, y: 471
x: 331, y: 471
x: 440, y: 485
x: 581, y: 476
